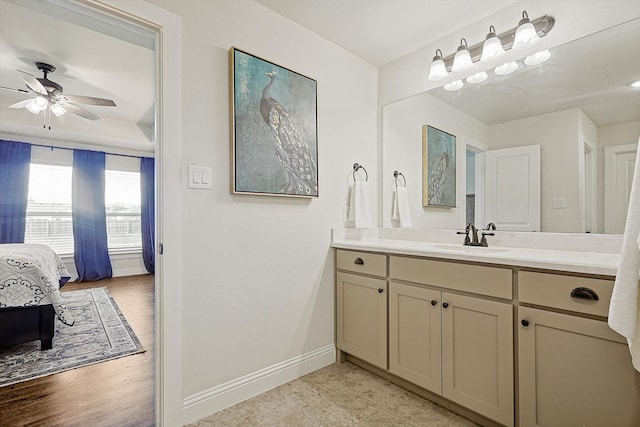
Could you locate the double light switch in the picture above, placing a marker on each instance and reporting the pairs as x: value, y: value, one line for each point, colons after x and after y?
x: 199, y: 177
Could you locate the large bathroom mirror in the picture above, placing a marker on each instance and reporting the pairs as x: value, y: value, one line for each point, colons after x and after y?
x: 578, y: 107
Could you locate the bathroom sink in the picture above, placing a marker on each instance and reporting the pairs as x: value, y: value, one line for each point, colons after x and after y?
x: 469, y: 249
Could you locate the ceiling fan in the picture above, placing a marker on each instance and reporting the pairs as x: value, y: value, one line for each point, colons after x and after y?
x: 49, y: 94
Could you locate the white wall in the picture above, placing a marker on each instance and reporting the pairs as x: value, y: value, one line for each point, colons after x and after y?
x: 402, y: 151
x: 557, y: 135
x: 258, y: 271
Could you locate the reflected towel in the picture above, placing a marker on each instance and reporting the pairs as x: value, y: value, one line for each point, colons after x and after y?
x: 360, y: 205
x: 401, y: 211
x: 624, y: 316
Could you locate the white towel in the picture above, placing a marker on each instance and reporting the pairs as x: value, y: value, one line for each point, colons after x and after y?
x: 624, y: 316
x: 401, y: 211
x: 360, y: 205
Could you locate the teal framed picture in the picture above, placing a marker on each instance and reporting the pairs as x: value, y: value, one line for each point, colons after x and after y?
x: 273, y: 128
x: 438, y: 168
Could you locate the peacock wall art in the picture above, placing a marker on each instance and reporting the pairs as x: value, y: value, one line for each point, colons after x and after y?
x: 275, y: 143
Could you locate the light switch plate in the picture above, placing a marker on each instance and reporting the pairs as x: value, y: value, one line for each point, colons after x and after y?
x: 199, y: 177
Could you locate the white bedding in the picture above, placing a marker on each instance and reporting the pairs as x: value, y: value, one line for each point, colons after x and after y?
x: 31, y: 275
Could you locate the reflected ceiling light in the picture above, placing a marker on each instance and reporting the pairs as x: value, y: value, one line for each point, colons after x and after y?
x: 462, y: 59
x: 635, y: 84
x: 506, y: 68
x: 526, y: 34
x: 57, y: 109
x: 492, y: 47
x: 453, y: 86
x: 477, y: 77
x: 33, y: 107
x: 437, y: 71
x: 538, y: 58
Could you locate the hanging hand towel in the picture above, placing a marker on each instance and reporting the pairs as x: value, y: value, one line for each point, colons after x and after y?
x: 401, y: 211
x: 360, y: 206
x: 624, y: 316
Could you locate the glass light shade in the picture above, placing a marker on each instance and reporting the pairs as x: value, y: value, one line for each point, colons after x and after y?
x: 453, y: 86
x: 492, y: 48
x: 33, y: 107
x: 538, y: 58
x: 477, y: 77
x: 462, y: 60
x: 437, y: 71
x: 526, y: 36
x: 41, y: 102
x: 57, y: 109
x: 635, y: 84
x: 506, y: 68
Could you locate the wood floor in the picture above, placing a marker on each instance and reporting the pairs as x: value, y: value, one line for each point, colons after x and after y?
x: 114, y: 393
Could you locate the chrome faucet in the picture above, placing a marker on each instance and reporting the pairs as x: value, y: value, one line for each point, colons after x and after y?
x: 473, y: 240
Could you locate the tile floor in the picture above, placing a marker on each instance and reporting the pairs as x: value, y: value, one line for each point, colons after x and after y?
x: 338, y: 395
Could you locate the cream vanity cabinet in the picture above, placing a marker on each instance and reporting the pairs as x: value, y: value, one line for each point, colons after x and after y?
x: 573, y: 369
x: 457, y: 345
x: 361, y: 305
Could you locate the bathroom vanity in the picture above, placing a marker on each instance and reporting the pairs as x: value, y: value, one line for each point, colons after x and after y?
x: 503, y: 335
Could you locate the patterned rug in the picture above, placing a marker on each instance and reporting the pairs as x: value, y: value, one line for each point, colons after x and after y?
x: 100, y: 333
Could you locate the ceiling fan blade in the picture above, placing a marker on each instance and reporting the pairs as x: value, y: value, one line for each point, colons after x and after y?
x: 14, y: 90
x: 21, y: 104
x: 32, y: 83
x: 89, y: 100
x: 72, y: 108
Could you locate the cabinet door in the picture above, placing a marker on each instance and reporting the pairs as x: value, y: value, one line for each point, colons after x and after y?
x: 574, y: 372
x: 477, y: 355
x: 362, y: 317
x: 414, y: 335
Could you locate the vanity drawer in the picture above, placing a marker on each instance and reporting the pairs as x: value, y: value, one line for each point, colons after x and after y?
x: 478, y: 279
x: 361, y: 262
x: 554, y: 290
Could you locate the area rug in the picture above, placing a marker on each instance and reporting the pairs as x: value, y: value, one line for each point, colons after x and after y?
x: 100, y: 333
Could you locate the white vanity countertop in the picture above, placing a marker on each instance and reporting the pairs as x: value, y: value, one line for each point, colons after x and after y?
x: 560, y: 260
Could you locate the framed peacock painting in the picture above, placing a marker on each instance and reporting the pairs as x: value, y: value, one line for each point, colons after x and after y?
x: 274, y: 132
x: 438, y: 168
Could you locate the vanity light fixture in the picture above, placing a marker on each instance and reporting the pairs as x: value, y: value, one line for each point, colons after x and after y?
x: 506, y: 68
x: 526, y: 35
x: 462, y: 59
x: 453, y: 86
x: 492, y: 47
x: 537, y: 58
x: 635, y: 84
x: 437, y: 71
x: 477, y: 77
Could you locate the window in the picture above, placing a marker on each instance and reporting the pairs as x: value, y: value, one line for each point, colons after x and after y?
x: 122, y: 202
x: 48, y: 219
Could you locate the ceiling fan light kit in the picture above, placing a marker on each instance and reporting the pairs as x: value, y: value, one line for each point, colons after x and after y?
x: 49, y: 97
x: 525, y: 35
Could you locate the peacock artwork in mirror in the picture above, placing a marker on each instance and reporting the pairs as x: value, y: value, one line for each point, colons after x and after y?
x: 274, y: 129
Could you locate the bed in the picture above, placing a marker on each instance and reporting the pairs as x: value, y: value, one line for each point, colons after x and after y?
x: 30, y: 280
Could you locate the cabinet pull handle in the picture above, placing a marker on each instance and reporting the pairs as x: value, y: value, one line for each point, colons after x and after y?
x: 584, y: 293
x: 380, y: 290
x: 445, y: 304
x: 359, y: 261
x: 434, y: 302
x: 524, y: 322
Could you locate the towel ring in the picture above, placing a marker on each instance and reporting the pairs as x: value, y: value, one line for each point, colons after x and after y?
x: 357, y: 167
x: 396, y: 174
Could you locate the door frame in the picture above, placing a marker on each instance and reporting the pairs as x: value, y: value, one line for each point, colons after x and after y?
x: 168, y: 131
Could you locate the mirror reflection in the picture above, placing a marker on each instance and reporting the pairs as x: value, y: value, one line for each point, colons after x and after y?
x: 576, y: 115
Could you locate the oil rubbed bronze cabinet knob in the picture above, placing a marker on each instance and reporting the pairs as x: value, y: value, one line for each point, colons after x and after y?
x: 380, y: 290
x: 524, y: 322
x: 434, y: 302
x: 445, y: 304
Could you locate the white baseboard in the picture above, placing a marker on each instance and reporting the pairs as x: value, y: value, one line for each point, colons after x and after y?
x: 210, y: 401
